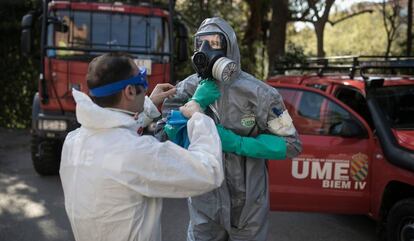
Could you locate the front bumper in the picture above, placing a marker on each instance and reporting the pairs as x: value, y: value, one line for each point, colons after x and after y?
x: 53, y: 125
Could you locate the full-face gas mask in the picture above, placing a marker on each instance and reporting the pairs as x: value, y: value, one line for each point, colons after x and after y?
x: 209, y: 59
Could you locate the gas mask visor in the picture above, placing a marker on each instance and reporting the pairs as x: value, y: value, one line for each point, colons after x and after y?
x: 217, y: 41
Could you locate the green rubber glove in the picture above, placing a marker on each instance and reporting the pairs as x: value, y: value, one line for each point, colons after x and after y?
x: 230, y: 141
x: 263, y: 146
x: 206, y: 93
x: 171, y: 131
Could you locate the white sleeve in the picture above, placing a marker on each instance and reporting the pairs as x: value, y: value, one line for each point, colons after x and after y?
x: 150, y: 109
x: 150, y: 112
x: 157, y: 169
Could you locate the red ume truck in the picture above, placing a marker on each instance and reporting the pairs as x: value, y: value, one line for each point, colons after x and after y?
x: 358, y: 140
x: 72, y: 34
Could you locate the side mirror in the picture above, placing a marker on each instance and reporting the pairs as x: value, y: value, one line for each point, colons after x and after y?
x: 26, y: 40
x: 182, y: 43
x: 349, y: 128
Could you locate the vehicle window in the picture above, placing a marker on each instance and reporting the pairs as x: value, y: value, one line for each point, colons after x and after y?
x: 156, y: 30
x: 79, y: 30
x: 76, y: 35
x: 397, y: 104
x: 313, y: 113
x: 150, y: 34
x: 356, y: 101
x: 139, y: 37
x: 110, y: 31
x: 99, y: 30
x: 119, y: 33
x: 310, y: 105
x: 318, y: 86
x: 334, y: 115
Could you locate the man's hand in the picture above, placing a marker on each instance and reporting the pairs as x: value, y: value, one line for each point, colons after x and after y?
x: 161, y: 92
x: 190, y: 108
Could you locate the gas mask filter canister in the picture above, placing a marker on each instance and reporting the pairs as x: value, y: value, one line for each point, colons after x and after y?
x: 224, y: 69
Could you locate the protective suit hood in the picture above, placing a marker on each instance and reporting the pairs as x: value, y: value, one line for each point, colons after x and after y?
x: 217, y: 24
x: 93, y: 116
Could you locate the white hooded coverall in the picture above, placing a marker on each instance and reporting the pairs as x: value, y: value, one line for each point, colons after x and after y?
x: 113, y: 179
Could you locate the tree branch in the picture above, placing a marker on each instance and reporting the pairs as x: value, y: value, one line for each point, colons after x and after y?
x: 349, y: 16
x: 300, y: 20
x: 314, y: 8
x: 384, y: 18
x: 304, y: 14
x: 327, y: 9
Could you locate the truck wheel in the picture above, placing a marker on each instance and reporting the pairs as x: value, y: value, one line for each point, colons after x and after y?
x: 45, y: 155
x: 400, y: 221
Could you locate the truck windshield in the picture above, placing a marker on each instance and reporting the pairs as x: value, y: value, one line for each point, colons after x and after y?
x: 94, y: 32
x: 398, y: 105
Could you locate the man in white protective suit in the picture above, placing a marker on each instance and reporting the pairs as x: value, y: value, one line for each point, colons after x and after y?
x: 113, y: 178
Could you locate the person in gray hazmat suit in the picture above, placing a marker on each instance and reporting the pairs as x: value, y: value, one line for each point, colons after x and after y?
x: 253, y: 125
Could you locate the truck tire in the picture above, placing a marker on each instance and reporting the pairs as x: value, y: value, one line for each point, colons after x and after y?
x: 400, y: 221
x: 46, y: 155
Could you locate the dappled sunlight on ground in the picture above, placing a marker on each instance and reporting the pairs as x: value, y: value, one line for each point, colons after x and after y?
x: 31, y: 206
x: 14, y: 199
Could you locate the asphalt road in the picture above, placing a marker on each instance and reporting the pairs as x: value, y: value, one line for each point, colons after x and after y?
x: 32, y: 208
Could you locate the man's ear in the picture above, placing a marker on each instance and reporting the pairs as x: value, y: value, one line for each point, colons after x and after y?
x: 129, y: 92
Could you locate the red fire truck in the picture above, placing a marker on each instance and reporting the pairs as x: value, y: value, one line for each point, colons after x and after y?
x: 358, y: 140
x: 72, y: 33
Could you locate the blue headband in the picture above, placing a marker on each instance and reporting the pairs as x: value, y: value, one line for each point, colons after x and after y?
x: 110, y: 89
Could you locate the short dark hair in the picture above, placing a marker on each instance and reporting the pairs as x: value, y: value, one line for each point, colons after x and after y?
x: 106, y: 69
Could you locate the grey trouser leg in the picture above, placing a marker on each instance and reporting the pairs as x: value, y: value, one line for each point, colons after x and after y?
x: 254, y: 233
x: 206, y: 231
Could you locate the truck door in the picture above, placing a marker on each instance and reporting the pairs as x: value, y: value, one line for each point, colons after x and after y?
x: 333, y: 171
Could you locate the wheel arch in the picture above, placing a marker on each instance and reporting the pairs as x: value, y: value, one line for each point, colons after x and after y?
x: 394, y: 192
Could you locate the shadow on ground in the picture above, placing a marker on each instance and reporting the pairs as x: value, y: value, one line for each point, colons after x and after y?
x: 31, y: 207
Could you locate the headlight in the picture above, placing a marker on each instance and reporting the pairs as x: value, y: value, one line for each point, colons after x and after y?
x: 52, y: 125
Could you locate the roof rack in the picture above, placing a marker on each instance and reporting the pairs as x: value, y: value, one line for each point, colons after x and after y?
x: 349, y: 64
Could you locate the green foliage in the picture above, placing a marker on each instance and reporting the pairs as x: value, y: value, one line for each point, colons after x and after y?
x: 302, y: 38
x: 294, y: 53
x: 360, y: 35
x: 194, y: 13
x: 17, y: 73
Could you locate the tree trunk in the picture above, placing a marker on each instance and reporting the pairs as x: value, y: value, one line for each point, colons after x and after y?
x: 320, y: 27
x: 319, y: 30
x: 253, y: 33
x: 409, y: 27
x: 277, y: 36
x: 387, y: 51
x: 203, y: 12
